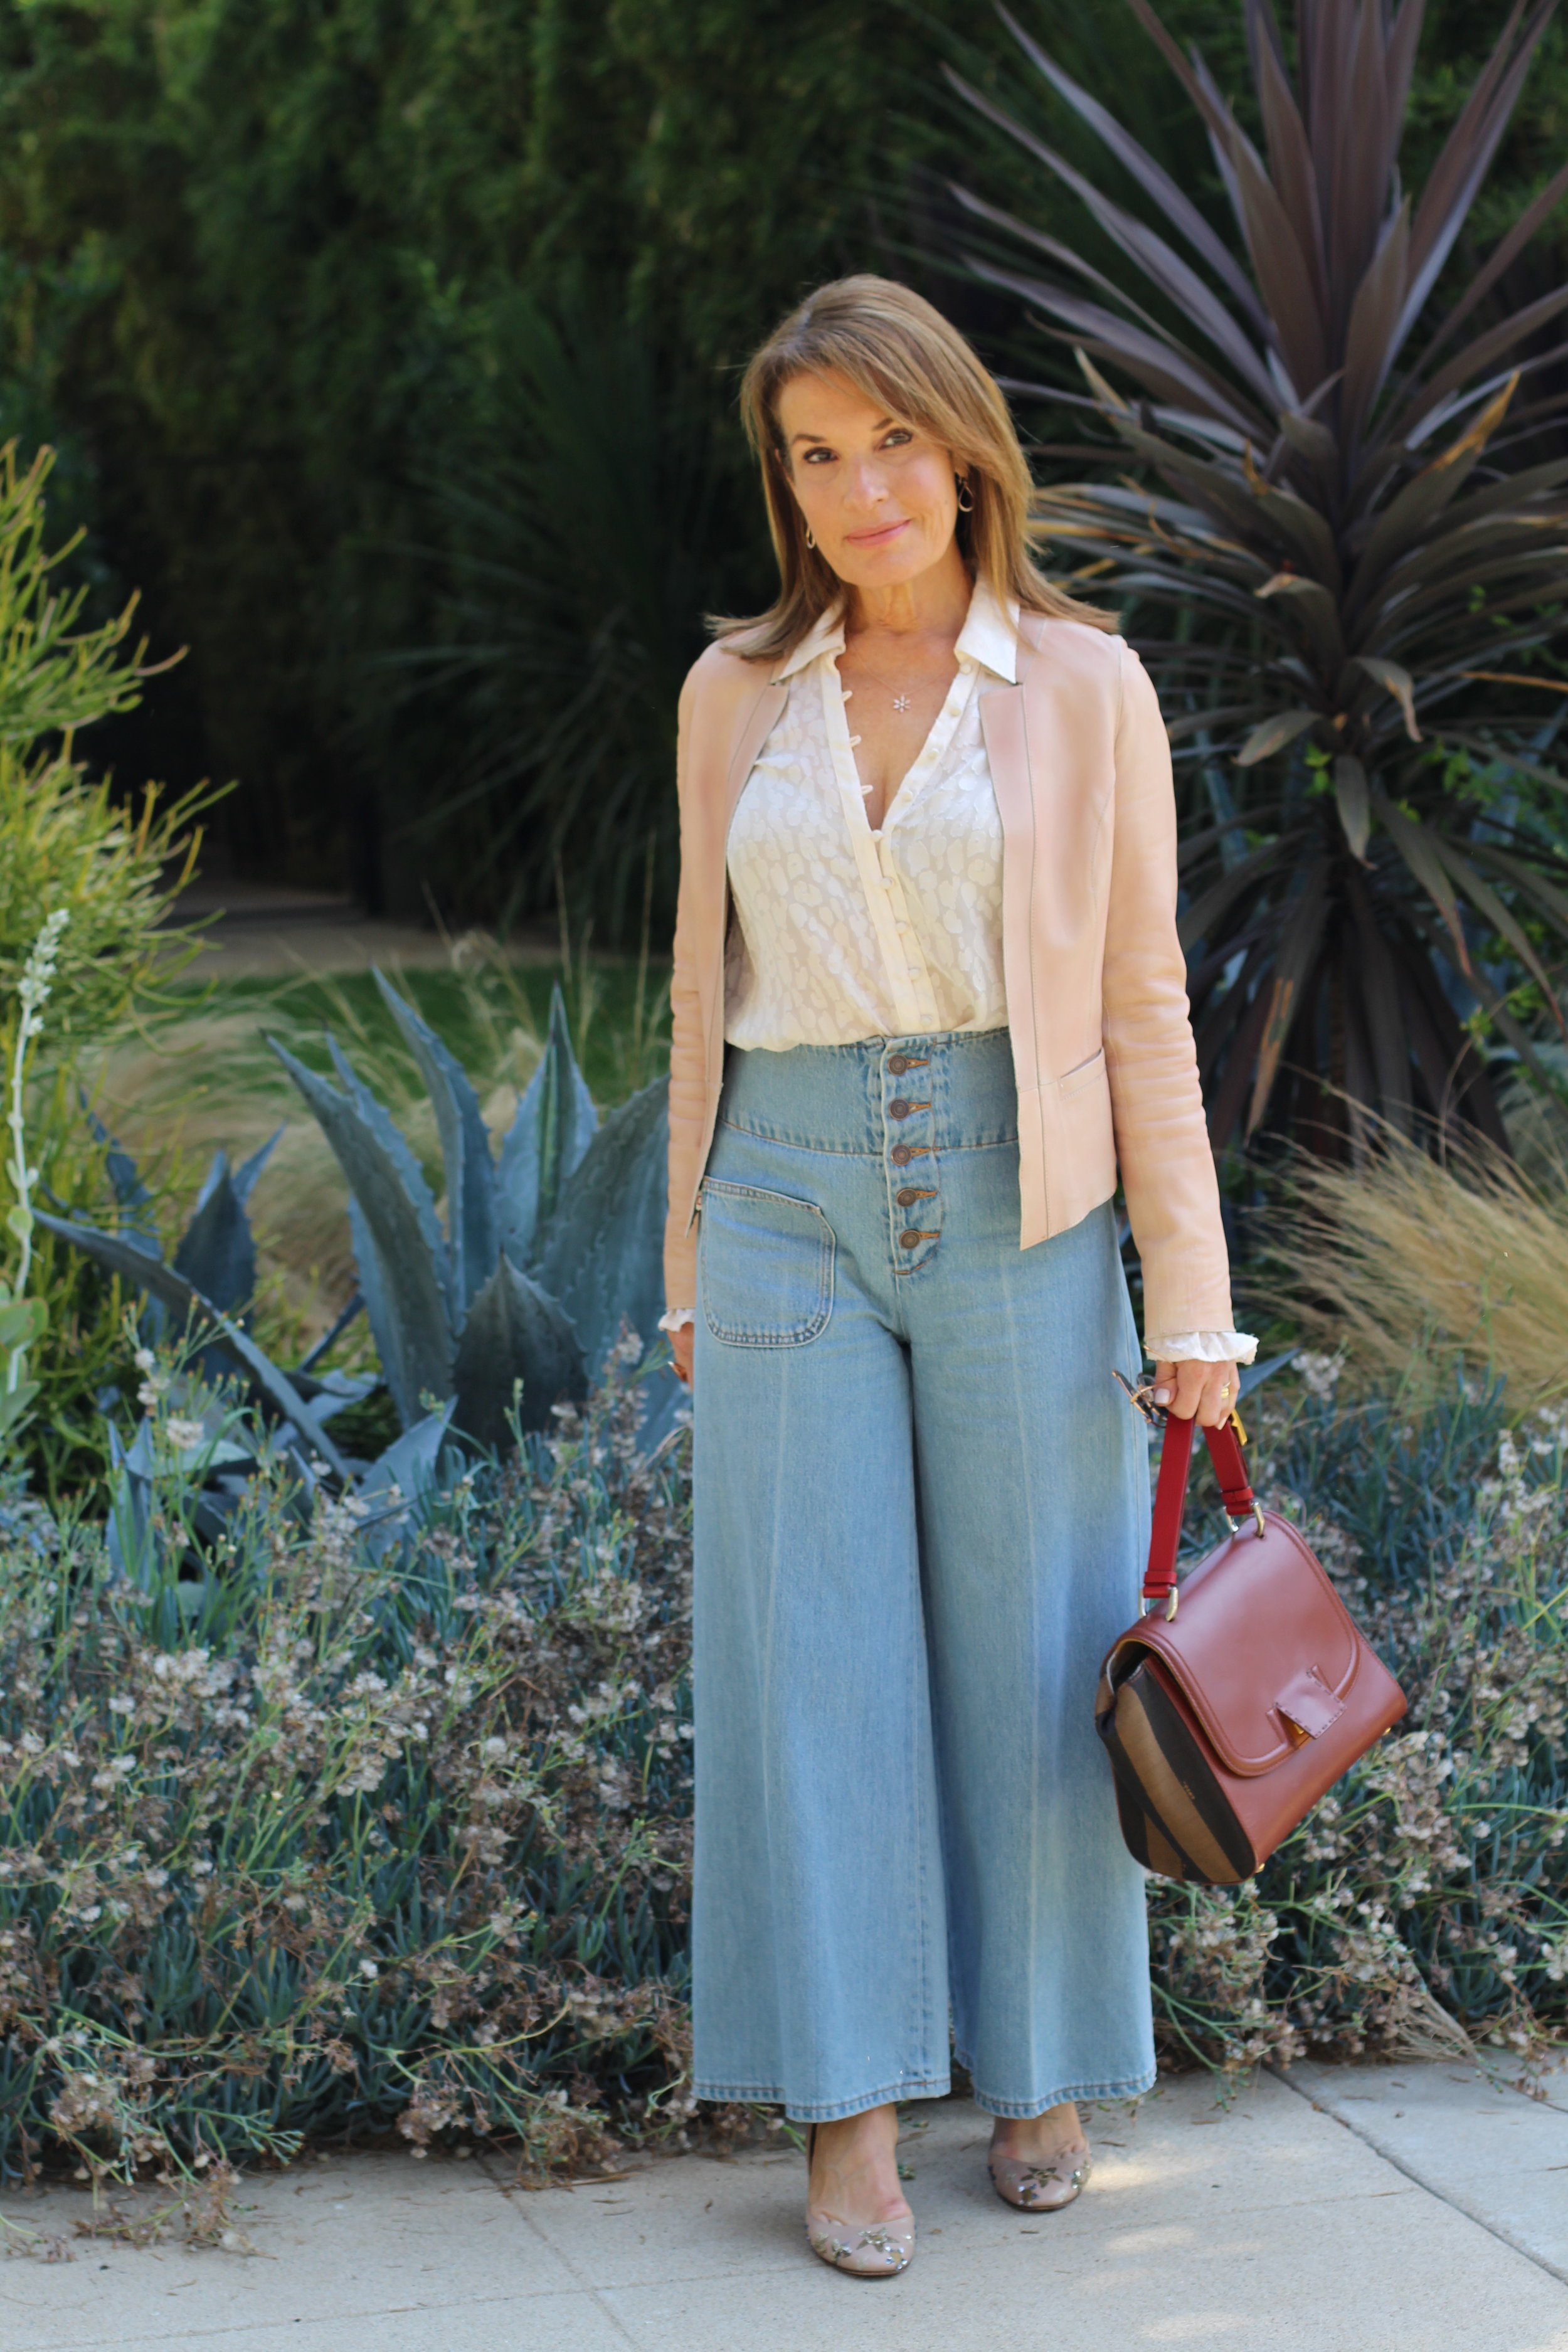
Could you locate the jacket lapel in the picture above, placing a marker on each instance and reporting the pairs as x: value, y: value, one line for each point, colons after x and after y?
x: 1003, y: 722
x: 758, y: 718
x: 756, y: 728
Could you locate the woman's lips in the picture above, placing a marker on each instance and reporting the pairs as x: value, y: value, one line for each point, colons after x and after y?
x: 877, y: 538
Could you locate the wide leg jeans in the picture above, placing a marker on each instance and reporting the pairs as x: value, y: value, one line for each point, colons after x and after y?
x: 921, y: 1505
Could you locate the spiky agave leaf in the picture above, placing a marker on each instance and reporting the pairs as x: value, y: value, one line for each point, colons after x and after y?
x: 554, y: 1125
x: 473, y: 1230
x: 141, y: 1271
x: 217, y: 1254
x: 402, y: 1254
x: 601, y: 1253
x: 1348, y: 506
x: 515, y: 1334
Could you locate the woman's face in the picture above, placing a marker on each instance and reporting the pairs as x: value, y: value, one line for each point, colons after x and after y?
x: 879, y: 496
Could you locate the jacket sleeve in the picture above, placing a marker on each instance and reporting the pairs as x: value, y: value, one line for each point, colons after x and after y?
x: 687, y: 1049
x: 1162, y: 1138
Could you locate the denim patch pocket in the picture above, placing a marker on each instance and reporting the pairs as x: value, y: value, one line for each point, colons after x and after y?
x: 766, y: 1263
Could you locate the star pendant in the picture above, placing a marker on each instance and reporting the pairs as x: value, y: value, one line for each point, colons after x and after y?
x: 900, y: 702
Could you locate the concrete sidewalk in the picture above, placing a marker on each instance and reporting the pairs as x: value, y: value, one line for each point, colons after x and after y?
x: 1412, y: 2209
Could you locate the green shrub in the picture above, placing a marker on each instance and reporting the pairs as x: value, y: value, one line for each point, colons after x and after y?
x: 296, y: 1847
x: 292, y: 1847
x: 1430, y: 1889
x: 68, y: 847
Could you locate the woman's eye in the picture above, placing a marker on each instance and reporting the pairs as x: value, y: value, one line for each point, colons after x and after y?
x: 817, y: 457
x: 898, y: 437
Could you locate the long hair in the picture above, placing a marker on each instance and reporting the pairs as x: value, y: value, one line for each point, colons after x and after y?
x: 891, y: 345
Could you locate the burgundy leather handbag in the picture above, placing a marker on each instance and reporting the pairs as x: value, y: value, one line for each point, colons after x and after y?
x: 1228, y: 1713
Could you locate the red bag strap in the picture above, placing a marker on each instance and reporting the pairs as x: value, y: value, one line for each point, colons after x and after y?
x: 1171, y: 1495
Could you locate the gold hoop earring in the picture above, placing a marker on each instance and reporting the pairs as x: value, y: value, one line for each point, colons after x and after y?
x: 809, y: 540
x: 965, y: 495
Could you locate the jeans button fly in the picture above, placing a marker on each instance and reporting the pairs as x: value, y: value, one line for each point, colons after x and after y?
x: 898, y: 1108
x: 897, y: 1063
x: 911, y: 1240
x: 901, y: 1155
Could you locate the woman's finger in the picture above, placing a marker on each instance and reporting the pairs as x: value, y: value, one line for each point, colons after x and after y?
x: 1221, y: 1388
x: 1180, y: 1387
x: 1207, y: 1391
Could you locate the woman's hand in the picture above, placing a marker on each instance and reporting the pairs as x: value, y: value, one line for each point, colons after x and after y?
x: 1210, y: 1391
x: 682, y: 1344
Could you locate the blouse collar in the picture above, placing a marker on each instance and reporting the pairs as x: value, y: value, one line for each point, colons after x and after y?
x: 989, y: 636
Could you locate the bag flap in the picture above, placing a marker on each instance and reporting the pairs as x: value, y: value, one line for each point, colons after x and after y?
x: 1309, y: 1702
x: 1261, y: 1647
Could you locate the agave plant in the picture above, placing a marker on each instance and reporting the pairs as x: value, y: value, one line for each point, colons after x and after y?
x: 548, y: 1254
x: 1343, y: 555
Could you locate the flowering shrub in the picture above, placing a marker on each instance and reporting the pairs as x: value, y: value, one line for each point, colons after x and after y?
x: 295, y: 1845
x: 1427, y: 1898
x: 292, y: 1845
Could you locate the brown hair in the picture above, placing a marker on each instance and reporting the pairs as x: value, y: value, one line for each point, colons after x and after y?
x: 891, y: 345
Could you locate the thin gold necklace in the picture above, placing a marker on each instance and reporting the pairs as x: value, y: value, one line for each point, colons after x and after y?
x: 900, y: 701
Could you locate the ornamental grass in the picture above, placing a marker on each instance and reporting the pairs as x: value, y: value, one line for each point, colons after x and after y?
x: 1416, y: 1265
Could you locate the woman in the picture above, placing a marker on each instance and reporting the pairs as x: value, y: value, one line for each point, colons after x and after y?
x: 928, y: 1000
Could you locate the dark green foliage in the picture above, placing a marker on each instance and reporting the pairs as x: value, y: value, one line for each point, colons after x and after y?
x: 579, y: 541
x: 1344, y: 557
x: 264, y: 284
x: 259, y: 277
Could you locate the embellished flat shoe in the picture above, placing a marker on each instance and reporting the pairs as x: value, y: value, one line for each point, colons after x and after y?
x: 1040, y: 2187
x: 879, y: 2249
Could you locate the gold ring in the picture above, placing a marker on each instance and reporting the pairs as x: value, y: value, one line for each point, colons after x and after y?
x: 1225, y: 1390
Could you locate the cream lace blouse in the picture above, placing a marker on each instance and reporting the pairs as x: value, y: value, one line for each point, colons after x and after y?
x: 843, y: 932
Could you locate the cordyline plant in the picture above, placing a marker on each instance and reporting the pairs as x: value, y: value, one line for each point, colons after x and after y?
x: 1359, y: 563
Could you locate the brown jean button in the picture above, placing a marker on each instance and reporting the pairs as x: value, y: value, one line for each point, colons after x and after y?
x: 897, y: 1063
x: 901, y: 1155
x: 911, y: 1240
x: 898, y: 1108
x: 907, y: 1197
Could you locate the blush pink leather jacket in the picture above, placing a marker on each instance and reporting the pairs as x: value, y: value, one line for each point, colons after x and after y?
x: 1095, y: 980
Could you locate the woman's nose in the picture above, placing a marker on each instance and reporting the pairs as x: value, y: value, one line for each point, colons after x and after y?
x: 868, y: 486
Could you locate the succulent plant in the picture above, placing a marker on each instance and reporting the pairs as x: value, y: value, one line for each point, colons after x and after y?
x: 548, y: 1252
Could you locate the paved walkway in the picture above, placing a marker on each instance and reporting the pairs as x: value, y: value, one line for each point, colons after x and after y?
x: 1412, y: 2209
x: 265, y: 931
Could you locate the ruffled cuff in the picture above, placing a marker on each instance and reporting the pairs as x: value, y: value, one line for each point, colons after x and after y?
x: 1200, y: 1348
x: 678, y: 1318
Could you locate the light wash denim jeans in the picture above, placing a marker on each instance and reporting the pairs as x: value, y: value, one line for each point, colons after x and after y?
x: 922, y: 1507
